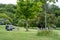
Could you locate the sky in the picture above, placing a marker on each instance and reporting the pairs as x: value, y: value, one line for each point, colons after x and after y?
x: 58, y: 3
x: 8, y: 1
x: 14, y: 2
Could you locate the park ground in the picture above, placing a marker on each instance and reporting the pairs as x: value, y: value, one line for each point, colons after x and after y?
x: 21, y: 34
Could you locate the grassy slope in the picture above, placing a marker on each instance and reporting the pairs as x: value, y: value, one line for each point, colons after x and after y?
x: 22, y: 35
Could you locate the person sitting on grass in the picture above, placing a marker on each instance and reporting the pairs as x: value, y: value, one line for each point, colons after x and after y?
x: 9, y: 27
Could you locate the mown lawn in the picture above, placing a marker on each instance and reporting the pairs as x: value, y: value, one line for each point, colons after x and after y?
x: 21, y: 34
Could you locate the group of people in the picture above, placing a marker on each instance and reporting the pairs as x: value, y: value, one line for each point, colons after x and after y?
x: 9, y: 27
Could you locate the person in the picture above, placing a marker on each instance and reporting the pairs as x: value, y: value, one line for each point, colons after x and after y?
x: 41, y: 25
x: 7, y: 26
x: 10, y: 27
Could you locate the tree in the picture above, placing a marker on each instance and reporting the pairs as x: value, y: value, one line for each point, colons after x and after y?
x: 45, y: 7
x: 28, y: 9
x: 58, y: 21
x: 4, y: 16
x: 7, y: 11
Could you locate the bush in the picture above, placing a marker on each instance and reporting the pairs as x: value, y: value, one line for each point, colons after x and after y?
x: 46, y: 33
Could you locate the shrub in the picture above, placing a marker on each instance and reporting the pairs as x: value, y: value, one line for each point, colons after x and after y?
x: 46, y: 33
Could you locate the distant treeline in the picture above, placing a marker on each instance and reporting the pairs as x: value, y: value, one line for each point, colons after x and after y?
x: 8, y: 16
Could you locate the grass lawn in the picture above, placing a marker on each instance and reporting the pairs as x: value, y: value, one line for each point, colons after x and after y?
x: 21, y: 34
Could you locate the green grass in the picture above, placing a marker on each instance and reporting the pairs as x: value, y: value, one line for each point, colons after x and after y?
x: 21, y: 34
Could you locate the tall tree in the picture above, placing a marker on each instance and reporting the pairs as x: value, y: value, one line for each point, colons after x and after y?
x: 28, y: 9
x: 45, y: 8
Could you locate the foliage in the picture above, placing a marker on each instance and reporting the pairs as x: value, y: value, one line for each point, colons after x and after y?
x: 7, y: 12
x: 28, y: 9
x: 46, y: 33
x: 33, y: 12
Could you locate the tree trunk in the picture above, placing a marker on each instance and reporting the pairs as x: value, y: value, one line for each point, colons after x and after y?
x: 26, y: 25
